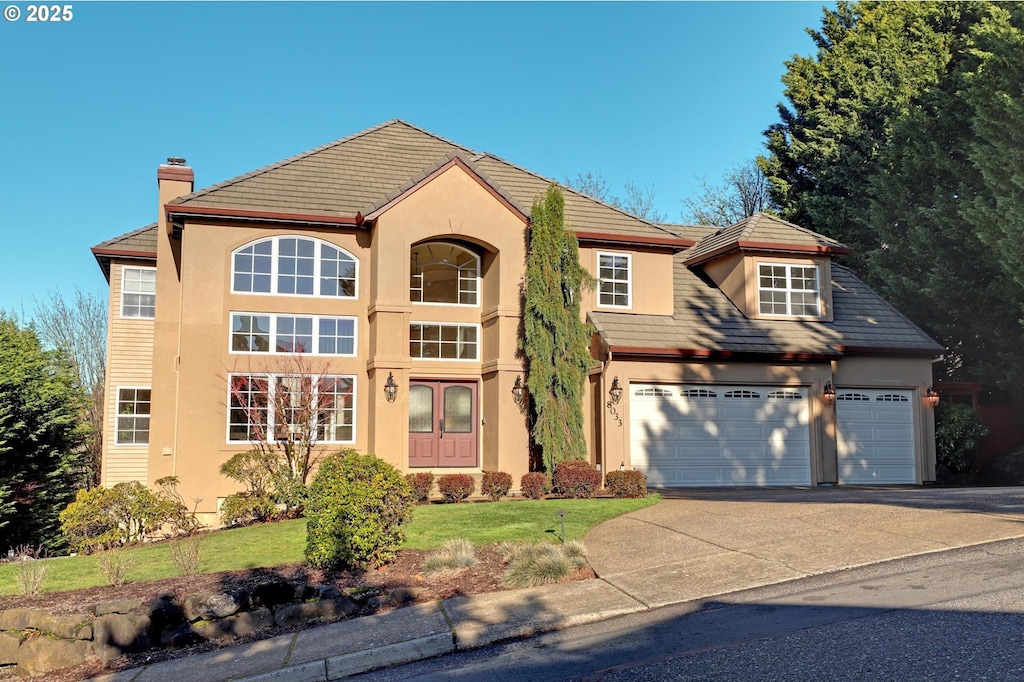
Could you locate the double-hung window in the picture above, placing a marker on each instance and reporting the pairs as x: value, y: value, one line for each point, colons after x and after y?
x: 133, y: 416
x: 790, y: 290
x: 276, y: 407
x: 138, y: 293
x: 615, y: 278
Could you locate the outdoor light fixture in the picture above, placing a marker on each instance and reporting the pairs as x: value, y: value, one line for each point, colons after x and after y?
x: 390, y: 388
x: 828, y: 394
x: 615, y: 391
x: 931, y: 396
x: 518, y: 390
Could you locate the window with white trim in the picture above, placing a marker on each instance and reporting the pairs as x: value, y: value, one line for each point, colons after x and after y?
x: 318, y: 407
x: 133, y: 407
x: 294, y: 266
x: 441, y: 272
x: 614, y: 276
x: 276, y: 333
x: 785, y: 289
x: 138, y: 293
x: 434, y: 341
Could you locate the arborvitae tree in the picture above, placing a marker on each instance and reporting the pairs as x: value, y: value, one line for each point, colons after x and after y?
x: 41, y: 429
x: 556, y: 341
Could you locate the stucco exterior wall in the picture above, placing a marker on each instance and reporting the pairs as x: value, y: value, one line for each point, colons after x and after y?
x: 651, y: 271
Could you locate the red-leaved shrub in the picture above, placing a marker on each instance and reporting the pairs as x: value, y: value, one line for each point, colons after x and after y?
x: 535, y: 485
x: 455, y: 487
x: 576, y: 478
x: 626, y: 483
x: 495, y: 484
x: 421, y: 484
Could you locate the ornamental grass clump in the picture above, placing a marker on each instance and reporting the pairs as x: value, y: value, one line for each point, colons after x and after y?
x: 455, y: 555
x: 541, y: 564
x: 355, y: 511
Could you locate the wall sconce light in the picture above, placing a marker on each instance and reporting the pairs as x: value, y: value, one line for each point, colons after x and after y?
x: 390, y: 388
x: 518, y: 390
x: 828, y: 394
x: 615, y: 391
x: 931, y: 396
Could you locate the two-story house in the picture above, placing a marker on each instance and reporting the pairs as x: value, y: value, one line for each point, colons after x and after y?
x: 389, y: 263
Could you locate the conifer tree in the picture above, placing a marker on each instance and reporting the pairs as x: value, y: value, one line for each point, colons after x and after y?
x: 556, y: 341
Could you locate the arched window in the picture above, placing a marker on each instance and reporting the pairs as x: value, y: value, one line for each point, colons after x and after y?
x: 297, y: 266
x: 444, y: 273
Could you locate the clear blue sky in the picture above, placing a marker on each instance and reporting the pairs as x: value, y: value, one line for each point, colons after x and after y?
x: 655, y: 93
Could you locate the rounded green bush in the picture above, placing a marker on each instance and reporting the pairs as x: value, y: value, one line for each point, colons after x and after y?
x: 355, y: 511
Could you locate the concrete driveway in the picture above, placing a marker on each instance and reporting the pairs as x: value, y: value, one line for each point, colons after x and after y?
x: 699, y: 543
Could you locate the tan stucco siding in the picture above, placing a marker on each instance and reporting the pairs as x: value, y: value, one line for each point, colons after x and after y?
x: 651, y: 290
x: 736, y: 275
x: 129, y: 364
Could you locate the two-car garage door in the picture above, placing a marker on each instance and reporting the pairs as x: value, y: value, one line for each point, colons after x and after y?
x: 713, y: 435
x: 685, y: 435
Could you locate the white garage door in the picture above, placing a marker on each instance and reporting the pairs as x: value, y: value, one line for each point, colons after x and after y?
x: 876, y: 436
x: 682, y: 435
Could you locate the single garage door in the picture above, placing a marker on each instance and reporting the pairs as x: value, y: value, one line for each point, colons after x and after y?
x: 682, y: 435
x: 876, y: 436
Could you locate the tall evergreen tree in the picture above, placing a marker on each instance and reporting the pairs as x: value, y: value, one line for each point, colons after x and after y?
x: 556, y: 342
x: 41, y: 408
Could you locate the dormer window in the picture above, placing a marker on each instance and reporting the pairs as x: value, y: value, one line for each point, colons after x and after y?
x: 789, y: 290
x: 443, y: 273
x: 614, y: 274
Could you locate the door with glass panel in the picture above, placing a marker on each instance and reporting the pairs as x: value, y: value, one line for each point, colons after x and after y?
x: 442, y: 424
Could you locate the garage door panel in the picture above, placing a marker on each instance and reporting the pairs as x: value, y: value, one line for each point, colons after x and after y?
x: 715, y: 440
x: 875, y: 436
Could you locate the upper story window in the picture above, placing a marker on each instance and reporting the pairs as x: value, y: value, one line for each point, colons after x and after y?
x: 615, y: 277
x: 133, y: 416
x: 278, y: 333
x: 788, y: 290
x: 297, y: 266
x: 443, y: 273
x: 138, y: 292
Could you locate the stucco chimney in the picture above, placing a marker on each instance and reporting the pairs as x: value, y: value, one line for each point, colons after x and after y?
x: 174, y: 179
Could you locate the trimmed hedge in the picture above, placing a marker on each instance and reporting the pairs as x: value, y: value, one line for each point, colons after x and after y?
x: 626, y: 483
x: 455, y: 487
x: 576, y: 478
x: 357, y: 505
x: 535, y: 485
x: 496, y: 484
x: 421, y: 484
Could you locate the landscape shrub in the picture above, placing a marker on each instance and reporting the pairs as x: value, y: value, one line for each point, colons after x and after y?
x: 576, y: 478
x: 355, y: 511
x: 243, y: 509
x: 32, y: 569
x: 626, y: 483
x: 495, y: 484
x: 115, y: 564
x: 186, y: 552
x: 535, y: 485
x: 252, y: 468
x: 421, y: 485
x: 455, y: 487
x: 122, y: 515
x: 957, y: 430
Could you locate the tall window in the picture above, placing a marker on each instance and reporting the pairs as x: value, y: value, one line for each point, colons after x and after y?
x: 614, y: 274
x: 138, y: 292
x: 276, y: 333
x: 322, y: 404
x: 297, y: 266
x: 443, y: 273
x: 133, y: 416
x: 788, y: 290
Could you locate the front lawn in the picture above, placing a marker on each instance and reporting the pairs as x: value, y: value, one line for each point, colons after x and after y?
x: 272, y: 544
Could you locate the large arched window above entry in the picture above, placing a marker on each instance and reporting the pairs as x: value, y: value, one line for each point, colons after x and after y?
x: 444, y: 273
x: 297, y: 266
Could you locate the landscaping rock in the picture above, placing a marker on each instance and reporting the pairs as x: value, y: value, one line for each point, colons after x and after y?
x: 236, y: 626
x: 327, y: 609
x: 117, y: 634
x: 164, y: 614
x: 43, y: 654
x: 304, y: 592
x: 9, y: 648
x: 274, y: 591
x: 22, y: 619
x: 213, y: 606
x: 328, y: 592
x: 178, y: 637
x: 123, y: 606
x: 399, y: 595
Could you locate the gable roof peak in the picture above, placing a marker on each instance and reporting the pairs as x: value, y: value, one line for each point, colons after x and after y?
x: 763, y: 232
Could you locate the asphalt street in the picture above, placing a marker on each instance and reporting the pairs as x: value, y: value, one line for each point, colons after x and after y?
x: 955, y: 615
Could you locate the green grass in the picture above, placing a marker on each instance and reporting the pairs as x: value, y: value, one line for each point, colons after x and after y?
x: 281, y: 543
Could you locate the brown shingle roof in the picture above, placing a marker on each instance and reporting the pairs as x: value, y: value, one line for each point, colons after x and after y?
x: 140, y: 243
x: 762, y: 232
x: 705, y: 320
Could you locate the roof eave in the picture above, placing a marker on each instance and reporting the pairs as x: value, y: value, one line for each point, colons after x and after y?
x: 241, y: 214
x: 744, y: 246
x: 717, y: 354
x: 598, y: 238
x: 104, y: 256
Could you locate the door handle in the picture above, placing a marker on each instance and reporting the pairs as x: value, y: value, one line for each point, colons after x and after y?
x: 440, y: 426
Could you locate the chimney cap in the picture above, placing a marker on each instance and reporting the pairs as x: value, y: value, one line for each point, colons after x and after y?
x: 175, y: 161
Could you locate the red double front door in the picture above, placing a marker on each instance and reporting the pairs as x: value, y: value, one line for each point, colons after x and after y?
x: 442, y: 424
